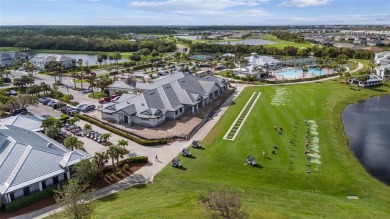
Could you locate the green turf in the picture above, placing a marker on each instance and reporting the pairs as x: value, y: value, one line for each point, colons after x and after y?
x: 271, y: 190
x: 283, y: 43
x: 6, y: 49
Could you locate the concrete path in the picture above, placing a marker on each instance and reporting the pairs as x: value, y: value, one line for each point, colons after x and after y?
x: 360, y: 66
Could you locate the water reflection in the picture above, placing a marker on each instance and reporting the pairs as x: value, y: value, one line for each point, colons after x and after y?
x: 367, y: 125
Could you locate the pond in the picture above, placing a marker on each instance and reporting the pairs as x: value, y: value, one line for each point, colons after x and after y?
x: 91, y: 59
x: 248, y: 42
x: 367, y: 125
x: 189, y: 37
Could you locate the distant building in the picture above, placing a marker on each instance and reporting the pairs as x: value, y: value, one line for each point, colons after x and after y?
x: 66, y: 61
x: 6, y: 58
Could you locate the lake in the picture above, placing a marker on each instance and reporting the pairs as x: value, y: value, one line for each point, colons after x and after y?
x: 91, y: 59
x: 248, y: 42
x: 367, y: 125
x: 188, y: 37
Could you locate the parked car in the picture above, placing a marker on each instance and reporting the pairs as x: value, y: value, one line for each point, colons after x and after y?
x: 104, y: 100
x: 64, y: 109
x: 86, y: 91
x: 41, y: 99
x: 88, y: 108
x: 22, y: 111
x: 52, y: 102
x: 46, y: 101
x: 80, y: 106
x: 12, y: 93
x: 58, y: 105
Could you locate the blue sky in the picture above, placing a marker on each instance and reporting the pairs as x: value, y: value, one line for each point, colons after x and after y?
x: 193, y: 12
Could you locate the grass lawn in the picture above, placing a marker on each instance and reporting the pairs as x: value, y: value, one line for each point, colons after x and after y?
x: 282, y: 43
x: 6, y: 49
x: 97, y: 95
x: 271, y: 190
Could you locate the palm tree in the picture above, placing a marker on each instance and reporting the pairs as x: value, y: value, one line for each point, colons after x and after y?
x: 106, y: 136
x: 74, y: 75
x: 104, y: 82
x: 74, y: 120
x: 73, y: 142
x: 123, y: 143
x: 116, y: 56
x: 56, y: 68
x: 87, y: 127
x: 100, y: 60
x: 29, y: 67
x: 100, y: 160
x: 92, y: 83
x: 45, y: 88
x: 112, y: 153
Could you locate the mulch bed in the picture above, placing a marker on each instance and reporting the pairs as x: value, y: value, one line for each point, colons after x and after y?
x: 98, y: 184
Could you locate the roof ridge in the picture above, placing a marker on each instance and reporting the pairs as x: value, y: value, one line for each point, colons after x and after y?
x: 20, y: 163
x: 8, y: 152
x: 161, y: 89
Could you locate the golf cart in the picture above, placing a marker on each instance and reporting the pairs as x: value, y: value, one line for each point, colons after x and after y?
x: 196, y: 144
x: 251, y: 161
x: 176, y: 163
x: 186, y: 152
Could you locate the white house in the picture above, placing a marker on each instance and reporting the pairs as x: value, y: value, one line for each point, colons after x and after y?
x: 371, y: 81
x: 29, y: 160
x: 382, y: 58
x: 150, y: 104
x: 383, y: 71
x: 66, y: 61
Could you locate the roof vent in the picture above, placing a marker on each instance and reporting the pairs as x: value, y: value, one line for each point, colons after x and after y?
x: 142, y: 104
x: 49, y: 145
x: 151, y: 93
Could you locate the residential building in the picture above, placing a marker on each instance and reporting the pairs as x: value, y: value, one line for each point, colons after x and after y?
x: 66, y: 61
x: 150, y: 104
x: 29, y: 160
x: 382, y: 58
x: 383, y: 71
x: 6, y: 58
x: 371, y: 81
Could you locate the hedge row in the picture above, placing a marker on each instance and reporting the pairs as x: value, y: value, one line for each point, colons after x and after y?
x: 130, y: 160
x: 30, y: 199
x: 138, y: 67
x: 112, y: 129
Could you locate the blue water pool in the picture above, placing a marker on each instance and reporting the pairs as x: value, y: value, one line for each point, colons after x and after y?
x: 296, y: 72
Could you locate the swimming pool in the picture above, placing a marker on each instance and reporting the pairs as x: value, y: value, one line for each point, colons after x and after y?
x: 296, y: 72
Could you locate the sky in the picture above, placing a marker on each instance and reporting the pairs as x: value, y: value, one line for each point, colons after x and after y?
x: 194, y: 12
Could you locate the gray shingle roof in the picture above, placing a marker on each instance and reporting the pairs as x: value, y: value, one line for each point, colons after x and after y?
x: 167, y: 94
x: 27, y: 157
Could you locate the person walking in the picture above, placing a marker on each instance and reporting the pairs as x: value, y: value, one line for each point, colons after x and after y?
x: 156, y: 158
x: 276, y: 128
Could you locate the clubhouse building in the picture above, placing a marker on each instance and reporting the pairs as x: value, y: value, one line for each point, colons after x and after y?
x: 150, y: 104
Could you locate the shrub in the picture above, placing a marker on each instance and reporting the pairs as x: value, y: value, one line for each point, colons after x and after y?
x: 6, y: 80
x: 125, y: 166
x: 118, y: 172
x: 64, y: 117
x: 112, y: 129
x: 30, y: 199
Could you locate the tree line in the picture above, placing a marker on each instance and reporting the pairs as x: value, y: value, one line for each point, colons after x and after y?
x: 113, y: 32
x: 284, y: 35
x: 331, y: 52
x: 80, y: 43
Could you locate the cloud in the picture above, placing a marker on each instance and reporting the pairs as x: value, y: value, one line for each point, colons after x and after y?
x: 304, y: 3
x: 191, y: 5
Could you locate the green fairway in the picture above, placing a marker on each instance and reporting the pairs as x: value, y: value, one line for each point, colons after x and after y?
x: 276, y: 188
x: 7, y: 49
x: 283, y: 43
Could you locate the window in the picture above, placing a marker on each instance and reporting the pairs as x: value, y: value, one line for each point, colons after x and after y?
x: 55, y: 180
x: 44, y: 184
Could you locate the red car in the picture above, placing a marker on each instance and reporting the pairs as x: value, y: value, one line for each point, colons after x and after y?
x: 104, y: 100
